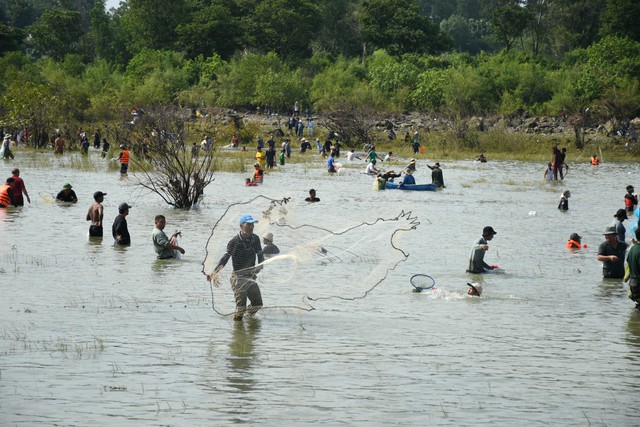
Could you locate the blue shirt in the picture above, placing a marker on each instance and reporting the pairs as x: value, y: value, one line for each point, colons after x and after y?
x: 331, y: 164
x: 408, y: 179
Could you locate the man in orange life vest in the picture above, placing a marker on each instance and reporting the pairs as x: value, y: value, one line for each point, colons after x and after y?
x: 6, y: 193
x: 595, y: 161
x: 124, y: 159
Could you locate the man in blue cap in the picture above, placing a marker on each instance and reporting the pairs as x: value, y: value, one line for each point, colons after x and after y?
x: 243, y: 250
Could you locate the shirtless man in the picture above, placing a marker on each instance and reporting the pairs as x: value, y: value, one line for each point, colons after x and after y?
x: 95, y: 214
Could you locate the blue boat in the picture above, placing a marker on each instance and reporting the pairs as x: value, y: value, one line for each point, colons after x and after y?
x: 411, y: 187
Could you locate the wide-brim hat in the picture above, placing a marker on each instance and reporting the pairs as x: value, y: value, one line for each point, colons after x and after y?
x: 609, y: 230
x: 476, y: 287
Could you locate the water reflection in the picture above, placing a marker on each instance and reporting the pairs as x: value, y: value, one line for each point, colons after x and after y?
x: 633, y: 331
x: 611, y: 288
x: 242, y: 354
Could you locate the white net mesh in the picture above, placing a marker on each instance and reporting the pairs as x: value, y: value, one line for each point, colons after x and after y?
x: 315, y: 262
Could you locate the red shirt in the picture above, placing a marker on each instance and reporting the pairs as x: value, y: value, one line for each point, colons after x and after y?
x: 18, y: 190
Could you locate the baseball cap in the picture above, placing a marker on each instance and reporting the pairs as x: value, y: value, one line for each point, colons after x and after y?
x: 124, y: 206
x: 268, y: 236
x: 575, y: 236
x: 476, y: 286
x: 609, y: 230
x: 247, y: 218
x: 98, y: 194
x: 67, y: 185
x: 621, y: 214
x: 488, y: 230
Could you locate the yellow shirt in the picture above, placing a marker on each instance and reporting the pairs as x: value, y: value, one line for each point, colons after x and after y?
x: 261, y: 158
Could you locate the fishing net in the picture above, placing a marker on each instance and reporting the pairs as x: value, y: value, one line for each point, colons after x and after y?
x: 328, y: 259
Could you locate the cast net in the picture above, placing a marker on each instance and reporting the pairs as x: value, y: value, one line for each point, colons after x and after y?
x: 321, y: 257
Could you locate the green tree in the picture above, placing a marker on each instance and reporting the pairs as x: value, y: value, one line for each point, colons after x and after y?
x: 467, y: 34
x: 573, y: 24
x: 21, y: 13
x: 286, y: 27
x: 151, y: 24
x: 211, y: 29
x: 399, y: 27
x: 10, y: 39
x: 338, y: 33
x: 31, y: 106
x: 106, y: 37
x: 509, y: 21
x: 57, y: 33
x: 621, y: 18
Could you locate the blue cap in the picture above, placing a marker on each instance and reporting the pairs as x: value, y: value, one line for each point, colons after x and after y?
x: 247, y: 218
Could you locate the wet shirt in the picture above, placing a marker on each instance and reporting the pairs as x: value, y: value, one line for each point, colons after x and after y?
x: 613, y: 269
x: 243, y: 252
x: 270, y: 250
x: 476, y: 259
x: 160, y: 242
x: 633, y: 260
x: 620, y: 229
x: 69, y: 196
x: 119, y: 228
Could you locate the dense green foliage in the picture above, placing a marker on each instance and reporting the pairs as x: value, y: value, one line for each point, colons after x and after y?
x: 451, y: 57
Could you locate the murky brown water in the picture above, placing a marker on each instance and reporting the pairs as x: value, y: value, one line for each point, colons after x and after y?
x: 95, y: 335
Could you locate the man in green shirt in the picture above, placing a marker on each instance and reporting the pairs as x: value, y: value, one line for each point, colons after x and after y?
x: 165, y: 247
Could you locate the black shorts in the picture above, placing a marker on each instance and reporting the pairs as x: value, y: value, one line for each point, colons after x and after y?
x: 95, y: 231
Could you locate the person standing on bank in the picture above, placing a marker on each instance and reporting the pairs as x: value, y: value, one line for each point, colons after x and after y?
x: 95, y: 215
x: 476, y: 260
x: 611, y: 253
x: 243, y: 249
x: 119, y: 229
x: 161, y: 243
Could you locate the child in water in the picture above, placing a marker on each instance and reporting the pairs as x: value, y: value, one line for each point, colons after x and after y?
x: 564, y: 201
x: 250, y: 183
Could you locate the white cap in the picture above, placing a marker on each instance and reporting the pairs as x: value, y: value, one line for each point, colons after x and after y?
x: 268, y: 236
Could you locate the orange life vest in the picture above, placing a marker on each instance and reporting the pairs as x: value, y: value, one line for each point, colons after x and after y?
x: 5, y: 200
x: 572, y: 244
x: 125, y: 157
x: 595, y: 161
x: 257, y: 175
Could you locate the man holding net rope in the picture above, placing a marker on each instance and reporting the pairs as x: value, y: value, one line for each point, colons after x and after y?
x: 243, y: 250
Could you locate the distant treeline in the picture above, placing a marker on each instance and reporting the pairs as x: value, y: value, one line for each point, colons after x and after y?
x: 71, y: 61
